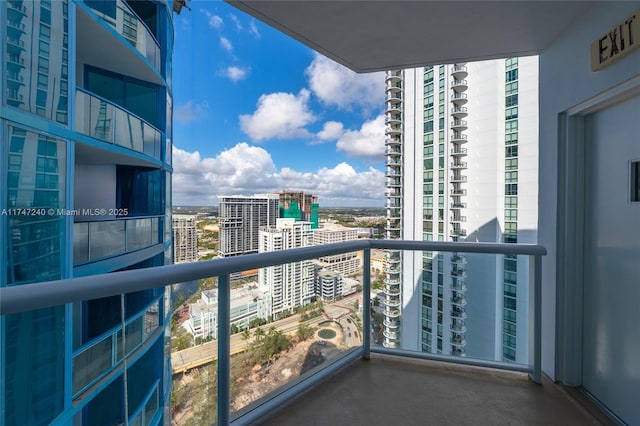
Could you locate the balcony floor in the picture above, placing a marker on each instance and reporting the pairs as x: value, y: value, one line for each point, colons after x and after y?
x: 403, y: 392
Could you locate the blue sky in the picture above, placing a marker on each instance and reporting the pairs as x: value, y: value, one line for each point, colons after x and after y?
x: 255, y: 111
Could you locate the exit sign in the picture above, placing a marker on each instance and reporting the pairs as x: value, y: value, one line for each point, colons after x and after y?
x: 617, y: 43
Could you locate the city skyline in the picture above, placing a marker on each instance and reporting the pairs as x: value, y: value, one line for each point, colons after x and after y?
x: 262, y: 111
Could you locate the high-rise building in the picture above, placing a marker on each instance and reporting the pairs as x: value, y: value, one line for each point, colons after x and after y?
x: 462, y: 161
x: 86, y: 174
x: 300, y: 206
x: 290, y: 285
x: 346, y: 263
x: 240, y: 220
x: 328, y: 285
x: 185, y: 239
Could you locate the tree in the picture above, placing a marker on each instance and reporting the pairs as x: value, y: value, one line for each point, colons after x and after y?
x: 234, y: 329
x: 305, y: 332
x: 356, y: 304
x: 246, y: 334
x: 258, y: 334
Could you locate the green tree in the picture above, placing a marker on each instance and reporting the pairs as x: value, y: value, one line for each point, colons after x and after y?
x: 305, y: 332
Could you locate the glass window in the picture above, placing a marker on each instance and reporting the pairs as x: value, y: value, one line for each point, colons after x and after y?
x: 511, y: 176
x: 511, y: 189
x: 511, y: 151
x: 511, y: 75
x: 428, y: 101
x: 511, y: 164
x: 428, y: 126
x: 511, y: 100
x: 511, y: 113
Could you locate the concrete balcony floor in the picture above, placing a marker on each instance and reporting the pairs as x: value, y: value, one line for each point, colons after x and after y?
x: 405, y: 392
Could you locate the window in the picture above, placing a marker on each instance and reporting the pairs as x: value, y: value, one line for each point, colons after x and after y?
x: 428, y: 139
x: 511, y: 75
x: 428, y: 88
x: 511, y: 113
x: 441, y: 188
x: 511, y: 100
x: 428, y: 201
x: 509, y: 303
x: 511, y: 63
x: 428, y: 164
x: 428, y: 176
x: 428, y: 126
x: 428, y: 76
x: 511, y: 138
x: 428, y: 189
x: 511, y: 214
x: 511, y: 126
x: 511, y: 164
x: 511, y: 151
x: 428, y: 151
x: 511, y: 176
x: 510, y: 290
x: 428, y: 101
x: 511, y: 88
x: 428, y: 114
x: 511, y: 189
x: 510, y: 277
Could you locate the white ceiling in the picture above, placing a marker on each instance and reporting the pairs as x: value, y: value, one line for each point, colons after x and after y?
x: 369, y: 35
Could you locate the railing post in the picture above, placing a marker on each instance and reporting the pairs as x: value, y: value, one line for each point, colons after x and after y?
x: 224, y: 352
x: 366, y: 304
x: 535, y: 315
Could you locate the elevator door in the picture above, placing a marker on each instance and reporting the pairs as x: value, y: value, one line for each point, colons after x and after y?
x: 611, y: 322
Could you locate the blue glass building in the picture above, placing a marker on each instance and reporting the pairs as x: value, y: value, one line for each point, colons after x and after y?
x: 85, y: 188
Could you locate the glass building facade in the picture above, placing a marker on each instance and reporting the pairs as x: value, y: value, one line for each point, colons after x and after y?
x: 85, y: 160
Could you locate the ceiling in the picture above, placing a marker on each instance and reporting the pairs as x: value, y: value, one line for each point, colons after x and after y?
x: 369, y: 35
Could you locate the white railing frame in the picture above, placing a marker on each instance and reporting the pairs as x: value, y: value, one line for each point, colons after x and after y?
x: 28, y: 297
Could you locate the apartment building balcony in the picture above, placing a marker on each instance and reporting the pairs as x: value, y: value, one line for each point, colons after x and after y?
x: 458, y: 138
x: 393, y: 86
x: 459, y: 112
x: 459, y: 72
x: 458, y: 259
x: 459, y: 98
x: 459, y: 85
x: 458, y: 192
x: 458, y: 219
x: 393, y: 76
x: 459, y: 125
x: 16, y: 6
x: 16, y: 25
x: 394, y: 107
x: 457, y: 232
x: 393, y: 119
x: 458, y: 178
x: 14, y: 98
x: 459, y: 152
x: 97, y: 240
x: 395, y: 141
x: 459, y: 165
x: 493, y: 391
x: 394, y: 97
x: 458, y: 205
x: 393, y: 130
x: 101, y: 119
x: 459, y: 301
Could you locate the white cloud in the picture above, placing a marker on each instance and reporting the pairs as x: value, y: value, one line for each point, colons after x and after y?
x: 236, y: 21
x: 331, y: 130
x: 215, y: 21
x: 235, y: 73
x: 191, y: 111
x: 279, y: 115
x: 246, y: 170
x: 338, y: 86
x: 368, y: 142
x: 226, y: 44
x: 253, y: 29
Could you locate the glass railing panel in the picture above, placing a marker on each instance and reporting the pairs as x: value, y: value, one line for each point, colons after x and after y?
x: 100, y: 239
x: 139, y: 233
x: 303, y: 337
x: 92, y: 362
x: 467, y: 305
x: 101, y: 119
x: 106, y: 238
x: 80, y: 242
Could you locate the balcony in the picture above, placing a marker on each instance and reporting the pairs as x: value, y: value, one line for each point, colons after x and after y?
x: 459, y: 165
x: 97, y: 240
x: 459, y: 112
x: 135, y: 32
x: 458, y: 138
x: 101, y: 119
x: 459, y: 85
x: 393, y: 76
x: 370, y: 373
x: 393, y: 119
x: 459, y: 71
x: 459, y: 98
x: 393, y: 130
x: 459, y: 125
x: 459, y: 151
x: 455, y: 178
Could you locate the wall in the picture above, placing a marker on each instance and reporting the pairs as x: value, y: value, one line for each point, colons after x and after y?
x: 566, y: 80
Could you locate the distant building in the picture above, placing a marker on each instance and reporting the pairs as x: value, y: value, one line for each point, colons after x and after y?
x: 328, y: 285
x: 346, y: 263
x: 247, y: 304
x: 378, y: 261
x: 185, y: 239
x: 291, y: 284
x: 240, y: 220
x: 299, y: 206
